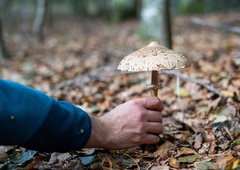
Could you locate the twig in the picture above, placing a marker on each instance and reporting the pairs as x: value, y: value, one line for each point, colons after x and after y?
x: 138, y: 167
x: 216, y: 26
x: 150, y: 166
x: 186, y: 77
x: 100, y: 73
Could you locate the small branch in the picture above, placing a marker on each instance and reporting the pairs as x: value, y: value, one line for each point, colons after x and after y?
x: 101, y: 73
x: 186, y: 77
x: 138, y: 167
x: 216, y: 26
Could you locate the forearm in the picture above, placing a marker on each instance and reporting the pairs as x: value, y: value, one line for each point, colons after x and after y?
x: 100, y: 133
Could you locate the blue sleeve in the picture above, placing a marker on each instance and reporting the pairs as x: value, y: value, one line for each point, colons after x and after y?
x: 31, y: 119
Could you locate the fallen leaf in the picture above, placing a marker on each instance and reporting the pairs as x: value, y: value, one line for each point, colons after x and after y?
x: 164, y: 150
x: 198, y: 141
x: 181, y: 92
x: 232, y: 163
x: 208, y: 135
x: 206, y: 165
x: 160, y: 167
x: 58, y: 157
x: 222, y: 114
x: 186, y: 151
x: 86, y: 160
x: 238, y: 141
x: 204, y: 149
x: 174, y: 163
x: 127, y: 161
x: 212, y: 147
x: 3, y: 155
x: 21, y: 157
x: 227, y: 93
x: 216, y: 118
x: 188, y: 159
x: 224, y: 159
x: 214, y: 104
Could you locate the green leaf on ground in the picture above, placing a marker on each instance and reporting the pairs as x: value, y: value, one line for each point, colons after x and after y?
x: 181, y: 92
x: 206, y: 165
x: 188, y: 159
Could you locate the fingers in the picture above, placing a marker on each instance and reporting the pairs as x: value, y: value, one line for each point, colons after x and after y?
x: 151, y: 139
x: 154, y: 128
x: 154, y: 116
x: 153, y: 103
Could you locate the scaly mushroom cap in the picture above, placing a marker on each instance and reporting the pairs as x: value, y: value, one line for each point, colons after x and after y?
x: 153, y: 57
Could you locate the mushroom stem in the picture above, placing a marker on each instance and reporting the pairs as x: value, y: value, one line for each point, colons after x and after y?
x: 154, y: 82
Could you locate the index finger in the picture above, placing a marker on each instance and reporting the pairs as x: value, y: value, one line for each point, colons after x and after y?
x: 153, y: 103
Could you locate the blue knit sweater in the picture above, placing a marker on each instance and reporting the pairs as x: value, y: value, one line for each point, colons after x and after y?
x: 31, y: 119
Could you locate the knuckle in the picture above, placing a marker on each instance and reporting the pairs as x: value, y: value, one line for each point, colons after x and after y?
x: 140, y: 116
x: 140, y: 128
x: 135, y: 102
x: 138, y: 139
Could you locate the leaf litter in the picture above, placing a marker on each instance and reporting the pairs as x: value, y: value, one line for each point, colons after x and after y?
x: 78, y: 64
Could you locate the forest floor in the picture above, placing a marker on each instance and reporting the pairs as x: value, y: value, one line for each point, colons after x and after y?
x: 78, y: 63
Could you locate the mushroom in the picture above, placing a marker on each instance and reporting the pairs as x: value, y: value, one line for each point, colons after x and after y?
x: 154, y: 58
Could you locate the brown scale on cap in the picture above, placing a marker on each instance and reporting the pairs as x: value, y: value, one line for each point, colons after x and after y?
x: 153, y: 57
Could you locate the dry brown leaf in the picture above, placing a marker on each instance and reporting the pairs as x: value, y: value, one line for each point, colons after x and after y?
x: 227, y: 93
x: 212, y: 147
x: 85, y: 50
x: 186, y: 151
x: 204, y: 149
x: 160, y: 167
x: 214, y: 104
x: 165, y: 150
x: 198, y: 141
x: 194, y: 89
x: 3, y: 155
x: 58, y: 157
x: 174, y: 163
x: 208, y: 135
x: 224, y: 159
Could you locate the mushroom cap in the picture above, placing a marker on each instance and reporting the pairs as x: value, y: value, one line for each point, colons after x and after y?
x: 153, y: 57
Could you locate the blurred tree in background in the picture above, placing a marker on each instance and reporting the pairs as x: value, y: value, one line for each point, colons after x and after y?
x: 155, y: 16
x: 3, y: 51
x: 156, y: 22
x: 39, y: 20
x: 123, y: 9
x: 204, y: 6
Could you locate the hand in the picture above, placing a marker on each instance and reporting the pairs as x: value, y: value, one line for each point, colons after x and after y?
x: 133, y: 123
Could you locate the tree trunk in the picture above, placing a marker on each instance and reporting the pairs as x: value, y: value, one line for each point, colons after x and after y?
x: 40, y: 19
x: 165, y: 36
x: 5, y: 8
x: 3, y: 51
x: 155, y: 21
x: 49, y: 14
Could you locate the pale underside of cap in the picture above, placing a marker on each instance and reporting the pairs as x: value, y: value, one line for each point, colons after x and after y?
x: 153, y: 57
